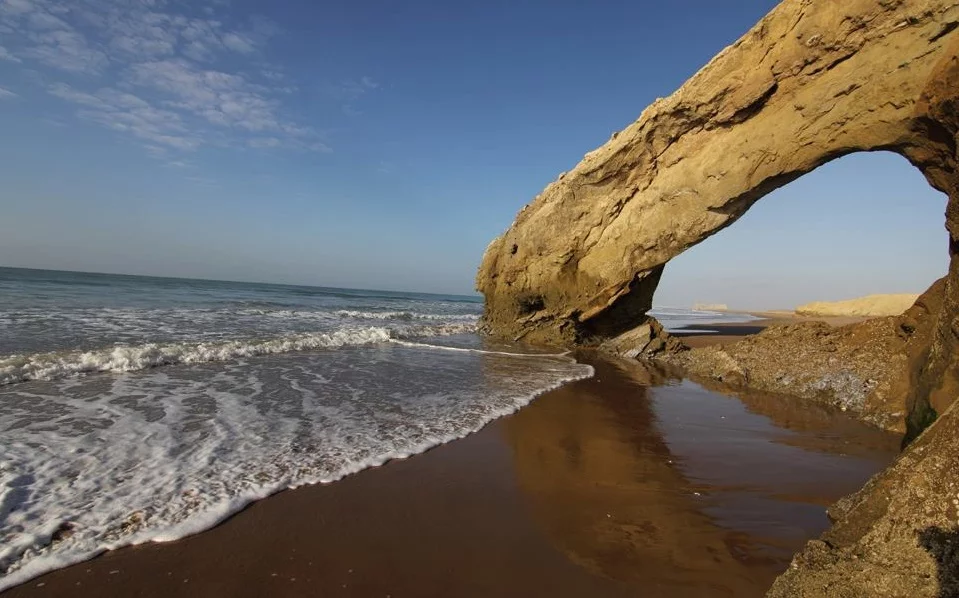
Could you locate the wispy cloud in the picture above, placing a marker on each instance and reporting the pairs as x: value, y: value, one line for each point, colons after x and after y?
x: 6, y: 94
x: 179, y: 164
x: 66, y: 50
x: 6, y: 55
x: 128, y: 113
x: 175, y: 75
x: 346, y: 93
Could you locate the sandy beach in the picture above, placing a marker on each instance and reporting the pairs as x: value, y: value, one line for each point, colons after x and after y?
x: 626, y: 484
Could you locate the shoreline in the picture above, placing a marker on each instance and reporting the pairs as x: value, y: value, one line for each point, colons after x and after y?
x: 705, y: 335
x: 596, y: 488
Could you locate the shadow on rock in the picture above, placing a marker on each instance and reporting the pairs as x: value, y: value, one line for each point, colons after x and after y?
x: 943, y: 545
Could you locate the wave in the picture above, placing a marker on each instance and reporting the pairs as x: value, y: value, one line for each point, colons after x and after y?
x: 404, y: 315
x: 56, y: 365
x: 185, y: 492
x: 481, y: 351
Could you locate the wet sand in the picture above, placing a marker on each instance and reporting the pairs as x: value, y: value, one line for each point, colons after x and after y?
x: 627, y: 484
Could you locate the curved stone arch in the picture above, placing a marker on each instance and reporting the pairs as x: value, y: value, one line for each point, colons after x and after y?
x: 821, y: 229
x: 813, y: 81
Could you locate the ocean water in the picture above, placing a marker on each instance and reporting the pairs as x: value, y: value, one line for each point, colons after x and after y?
x: 676, y: 318
x: 136, y: 409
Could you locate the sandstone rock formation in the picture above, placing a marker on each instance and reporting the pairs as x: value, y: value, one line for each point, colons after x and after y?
x: 870, y: 305
x: 646, y: 341
x: 812, y: 81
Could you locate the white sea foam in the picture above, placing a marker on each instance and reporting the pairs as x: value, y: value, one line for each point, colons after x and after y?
x: 404, y: 315
x: 36, y: 330
x: 155, y: 455
x: 268, y: 387
x: 479, y: 351
x: 55, y: 365
x: 50, y: 366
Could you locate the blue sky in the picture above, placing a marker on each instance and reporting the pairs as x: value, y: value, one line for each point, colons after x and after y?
x: 383, y: 144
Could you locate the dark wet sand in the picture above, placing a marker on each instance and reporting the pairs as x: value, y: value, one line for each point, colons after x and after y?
x: 627, y: 484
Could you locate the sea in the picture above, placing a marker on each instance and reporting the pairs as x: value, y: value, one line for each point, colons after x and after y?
x: 137, y: 409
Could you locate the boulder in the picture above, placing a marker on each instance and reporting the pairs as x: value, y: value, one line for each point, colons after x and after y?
x: 649, y: 340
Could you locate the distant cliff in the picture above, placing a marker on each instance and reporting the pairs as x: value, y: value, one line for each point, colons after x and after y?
x: 870, y: 305
x: 710, y: 307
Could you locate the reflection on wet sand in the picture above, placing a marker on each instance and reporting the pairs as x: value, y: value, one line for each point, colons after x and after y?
x: 627, y: 484
x: 820, y: 427
x: 675, y: 489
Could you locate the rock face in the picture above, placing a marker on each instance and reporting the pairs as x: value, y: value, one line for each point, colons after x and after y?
x: 814, y: 80
x: 871, y: 305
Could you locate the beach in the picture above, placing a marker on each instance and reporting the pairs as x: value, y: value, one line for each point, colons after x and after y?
x: 630, y: 483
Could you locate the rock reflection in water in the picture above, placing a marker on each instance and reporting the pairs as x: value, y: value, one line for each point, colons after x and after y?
x: 678, y: 490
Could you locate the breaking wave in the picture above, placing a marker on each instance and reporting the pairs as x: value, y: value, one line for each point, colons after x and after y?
x: 61, y: 364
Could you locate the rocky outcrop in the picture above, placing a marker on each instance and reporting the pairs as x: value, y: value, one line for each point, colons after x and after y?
x: 870, y: 306
x: 647, y: 341
x: 812, y: 81
x: 866, y: 368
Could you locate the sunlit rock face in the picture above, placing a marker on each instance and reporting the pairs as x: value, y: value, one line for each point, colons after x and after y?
x: 813, y: 81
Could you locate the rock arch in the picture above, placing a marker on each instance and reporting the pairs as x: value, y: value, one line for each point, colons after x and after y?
x: 812, y: 81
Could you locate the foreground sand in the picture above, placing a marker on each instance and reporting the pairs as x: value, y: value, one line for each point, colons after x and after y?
x: 605, y: 487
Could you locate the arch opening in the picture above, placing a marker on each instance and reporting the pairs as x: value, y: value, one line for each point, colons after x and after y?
x: 867, y: 223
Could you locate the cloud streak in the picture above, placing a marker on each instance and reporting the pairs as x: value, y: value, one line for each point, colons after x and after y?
x: 173, y: 75
x: 6, y: 55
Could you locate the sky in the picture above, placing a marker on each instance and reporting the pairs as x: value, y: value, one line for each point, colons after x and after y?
x: 383, y: 144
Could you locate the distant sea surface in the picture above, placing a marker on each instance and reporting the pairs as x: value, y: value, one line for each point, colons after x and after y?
x: 137, y: 409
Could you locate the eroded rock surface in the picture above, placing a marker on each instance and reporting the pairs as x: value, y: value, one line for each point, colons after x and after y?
x: 814, y: 80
